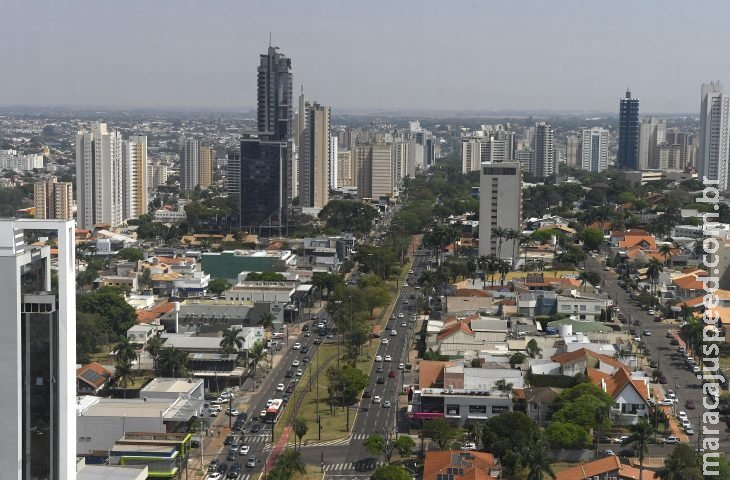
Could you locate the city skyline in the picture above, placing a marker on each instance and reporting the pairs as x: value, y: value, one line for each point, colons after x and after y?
x: 584, y: 65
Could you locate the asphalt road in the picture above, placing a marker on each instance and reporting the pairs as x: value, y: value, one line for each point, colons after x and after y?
x: 679, y: 378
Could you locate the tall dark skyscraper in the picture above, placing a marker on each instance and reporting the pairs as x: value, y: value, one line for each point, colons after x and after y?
x: 628, y: 133
x: 266, y: 156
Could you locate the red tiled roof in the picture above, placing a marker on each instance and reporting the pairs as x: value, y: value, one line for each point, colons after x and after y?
x: 96, y: 375
x: 153, y: 313
x: 429, y: 371
x: 452, y: 329
x: 475, y: 465
x: 597, y: 468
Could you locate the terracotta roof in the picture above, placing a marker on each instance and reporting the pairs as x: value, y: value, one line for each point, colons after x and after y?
x: 452, y: 329
x: 473, y: 465
x: 154, y: 312
x: 693, y: 302
x: 644, y: 241
x: 688, y: 282
x: 723, y: 313
x: 568, y: 357
x: 176, y: 261
x: 597, y: 468
x: 471, y: 292
x: 429, y: 371
x: 93, y: 374
x: 616, y: 382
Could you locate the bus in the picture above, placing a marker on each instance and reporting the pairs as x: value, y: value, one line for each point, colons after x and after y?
x: 274, y: 410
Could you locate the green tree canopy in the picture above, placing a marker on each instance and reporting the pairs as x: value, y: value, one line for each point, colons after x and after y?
x: 218, y: 286
x: 441, y: 431
x: 265, y: 277
x: 109, y: 303
x: 349, y: 216
x: 391, y: 472
x: 566, y: 435
x: 592, y: 238
x: 506, y: 435
x: 131, y: 254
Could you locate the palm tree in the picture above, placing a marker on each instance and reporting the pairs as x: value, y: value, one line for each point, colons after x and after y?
x: 583, y: 278
x: 126, y: 351
x: 533, y: 349
x: 503, y: 386
x: 500, y: 234
x: 492, y: 264
x: 524, y: 241
x: 231, y: 342
x: 641, y: 433
x: 665, y: 251
x: 503, y: 269
x: 653, y: 269
x: 537, y: 458
x: 300, y: 429
x: 154, y: 346
x: 267, y: 320
x: 255, y: 354
x: 513, y: 236
x: 482, y: 262
x: 471, y: 266
x: 124, y: 374
x: 290, y: 462
x: 174, y: 362
x: 621, y: 354
x: 603, y: 413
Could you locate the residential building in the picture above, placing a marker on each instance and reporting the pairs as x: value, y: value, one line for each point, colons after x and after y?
x: 99, y: 177
x: 274, y: 95
x: 92, y: 378
x: 11, y: 160
x: 159, y: 172
x: 594, y: 149
x: 494, y: 150
x: 189, y: 164
x: 544, y: 161
x: 332, y: 167
x: 652, y: 132
x: 687, y: 145
x: 344, y: 169
x: 402, y: 159
x: 233, y: 174
x: 471, y: 154
x: 669, y: 157
x: 714, y: 141
x: 500, y: 206
x: 375, y: 176
x: 38, y: 352
x: 609, y: 467
x: 573, y: 150
x: 206, y: 157
x: 134, y: 178
x: 53, y: 199
x: 526, y: 157
x: 628, y: 133
x: 314, y: 156
x: 460, y: 465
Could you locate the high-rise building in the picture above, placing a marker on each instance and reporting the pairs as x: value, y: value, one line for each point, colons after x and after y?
x: 471, y: 154
x: 99, y: 177
x: 344, y: 169
x: 189, y: 164
x: 572, y: 151
x: 374, y: 171
x: 500, y: 205
x: 687, y: 146
x: 401, y: 158
x: 627, y: 156
x: 594, y: 149
x: 652, y: 132
x: 314, y: 156
x: 669, y: 157
x: 134, y: 178
x: 38, y: 352
x: 53, y: 199
x: 158, y: 175
x: 526, y: 158
x: 494, y: 150
x: 544, y: 163
x: 714, y: 142
x: 207, y: 155
x: 275, y: 97
x: 334, y: 148
x: 263, y: 184
x: 233, y: 173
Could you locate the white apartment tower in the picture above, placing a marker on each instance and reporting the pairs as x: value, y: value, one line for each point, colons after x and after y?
x: 37, y: 352
x: 500, y: 205
x: 333, y: 170
x: 189, y: 164
x: 99, y: 172
x: 652, y: 132
x: 314, y: 156
x: 594, y: 149
x: 134, y: 178
x: 471, y: 154
x: 714, y: 140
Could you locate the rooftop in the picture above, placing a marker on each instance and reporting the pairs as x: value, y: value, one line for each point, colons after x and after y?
x: 174, y: 385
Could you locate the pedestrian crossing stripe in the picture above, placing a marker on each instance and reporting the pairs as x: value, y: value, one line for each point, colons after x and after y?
x: 358, y: 466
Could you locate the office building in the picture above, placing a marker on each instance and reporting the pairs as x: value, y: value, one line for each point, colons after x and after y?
x: 233, y: 173
x: 494, y: 150
x: 263, y: 184
x: 274, y: 96
x: 38, y: 352
x: 627, y: 156
x: 652, y: 132
x: 189, y: 164
x: 99, y: 177
x: 594, y: 149
x: 714, y: 141
x: 134, y: 178
x: 334, y: 148
x: 375, y: 176
x: 158, y: 175
x: 344, y: 169
x: 544, y: 163
x: 525, y: 157
x: 401, y: 158
x: 500, y: 205
x: 471, y: 154
x: 53, y: 199
x: 314, y: 156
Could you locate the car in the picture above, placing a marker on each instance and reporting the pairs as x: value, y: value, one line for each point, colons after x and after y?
x: 231, y: 456
x: 681, y: 350
x: 269, y: 402
x: 405, y: 301
x: 670, y: 440
x: 367, y: 394
x: 391, y: 374
x: 222, y: 468
x: 469, y: 446
x: 305, y: 350
x: 685, y: 422
x: 607, y: 453
x: 663, y: 380
x: 234, y: 471
x: 651, y: 312
x: 653, y: 364
x: 632, y: 331
x: 330, y: 335
x: 667, y: 402
x: 280, y: 387
x: 317, y: 341
x: 226, y: 395
x: 674, y: 342
x: 410, y: 272
x: 647, y: 333
x: 262, y: 414
x: 215, y: 476
x: 305, y: 328
x: 658, y: 318
x: 393, y: 333
x: 213, y: 465
x: 314, y: 317
x: 637, y: 323
x: 376, y: 399
x: 228, y: 440
x: 297, y: 346
x: 305, y: 359
x: 295, y: 363
x: 307, y: 334
x: 393, y: 317
x: 388, y: 358
x: 619, y: 439
x: 251, y: 462
x: 255, y: 428
x: 290, y: 388
x: 401, y: 366
x: 682, y: 415
x: 627, y: 452
x: 378, y: 358
x: 404, y: 325
x: 689, y: 404
x: 637, y: 339
x: 379, y: 369
x: 244, y: 450
x: 320, y: 325
x: 671, y: 394
x: 405, y: 284
x: 380, y: 380
x: 299, y: 373
x: 386, y: 404
x: 401, y: 315
x: 385, y: 341
x: 689, y: 430
x: 232, y: 412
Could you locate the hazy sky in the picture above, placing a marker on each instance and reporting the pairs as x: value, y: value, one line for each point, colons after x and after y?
x: 419, y: 55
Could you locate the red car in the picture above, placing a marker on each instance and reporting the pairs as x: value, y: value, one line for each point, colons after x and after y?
x: 391, y: 374
x: 689, y: 404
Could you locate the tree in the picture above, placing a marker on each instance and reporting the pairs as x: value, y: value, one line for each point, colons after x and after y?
x: 376, y: 444
x: 653, y: 269
x: 124, y: 374
x: 641, y: 433
x: 154, y: 347
x: 681, y: 464
x: 345, y: 384
x: 255, y: 355
x: 589, y: 276
x: 109, y: 303
x: 665, y: 251
x: 349, y: 216
x: 566, y: 435
x: 441, y: 431
x: 390, y: 472
x: 503, y: 386
x: 516, y: 359
x: 533, y: 349
x: 125, y: 350
x: 218, y: 286
x: 500, y: 234
x: 538, y: 458
x: 290, y: 463
x: 230, y: 341
x: 592, y: 238
x: 300, y: 428
x: 506, y: 436
x: 145, y: 280
x: 131, y: 254
x: 92, y: 331
x: 173, y: 362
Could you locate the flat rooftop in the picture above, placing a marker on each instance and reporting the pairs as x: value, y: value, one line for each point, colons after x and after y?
x: 117, y: 472
x: 131, y: 407
x: 171, y: 385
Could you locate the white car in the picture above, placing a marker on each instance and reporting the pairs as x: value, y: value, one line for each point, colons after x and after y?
x: 244, y: 450
x: 401, y: 366
x: 216, y: 408
x: 297, y: 346
x: 670, y: 440
x: 384, y: 341
x: 299, y: 373
x: 682, y: 415
x: 651, y: 312
x: 215, y: 476
x: 378, y: 358
x: 386, y: 404
x: 388, y: 358
x: 685, y: 422
x: 667, y: 402
x: 376, y: 399
x: 295, y: 363
x: 269, y: 403
x: 405, y: 284
x: 671, y: 394
x: 320, y: 325
x: 401, y: 315
x: 404, y: 325
x: 410, y: 272
x: 280, y: 387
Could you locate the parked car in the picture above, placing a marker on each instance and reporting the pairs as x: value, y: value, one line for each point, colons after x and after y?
x: 689, y: 404
x: 376, y: 399
x: 367, y: 394
x: 670, y: 440
x: 251, y: 462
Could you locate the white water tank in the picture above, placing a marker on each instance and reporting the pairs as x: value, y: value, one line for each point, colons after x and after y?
x: 566, y: 330
x: 176, y: 305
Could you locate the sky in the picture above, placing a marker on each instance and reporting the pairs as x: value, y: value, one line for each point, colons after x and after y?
x: 412, y: 55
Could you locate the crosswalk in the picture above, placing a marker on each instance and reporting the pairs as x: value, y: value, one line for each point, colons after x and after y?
x: 361, y: 466
x: 328, y: 443
x: 361, y: 436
